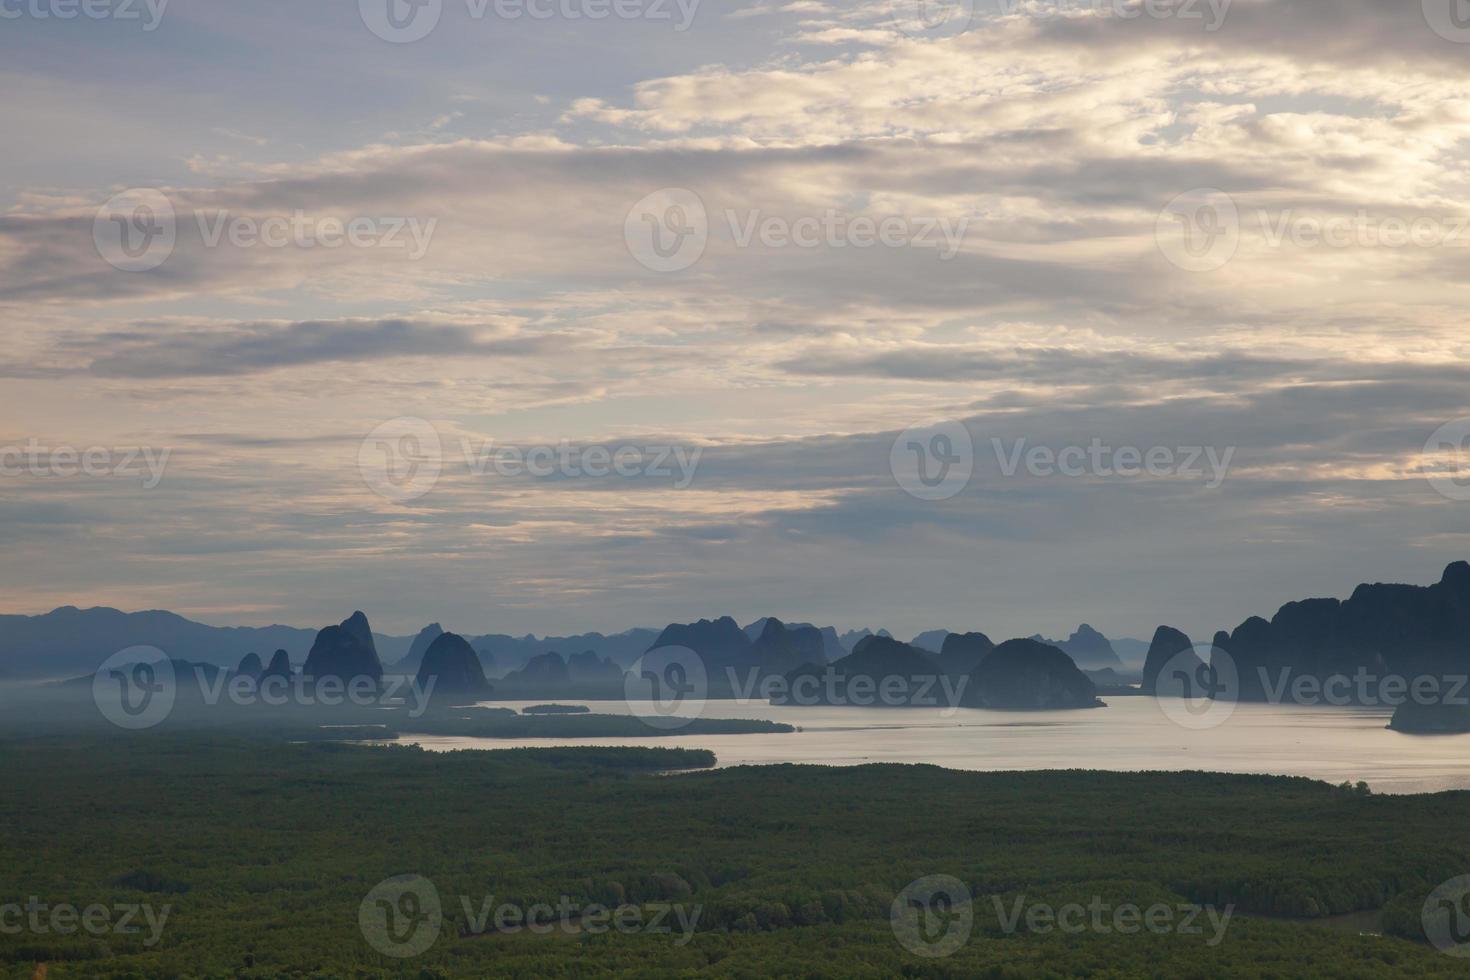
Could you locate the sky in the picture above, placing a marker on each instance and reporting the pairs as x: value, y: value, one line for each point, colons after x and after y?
x: 967, y: 314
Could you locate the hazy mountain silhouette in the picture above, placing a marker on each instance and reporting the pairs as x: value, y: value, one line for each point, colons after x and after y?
x: 588, y: 668
x: 852, y: 638
x: 453, y: 667
x: 345, y: 651
x: 498, y: 650
x: 550, y: 674
x: 963, y: 652
x: 1027, y: 675
x: 1087, y: 648
x: 280, y: 666
x: 781, y: 649
x: 416, y: 650
x: 1132, y: 652
x: 720, y: 642
x: 1167, y: 644
x: 69, y: 640
x: 931, y: 640
x: 1402, y: 630
x: 832, y: 648
x: 875, y: 660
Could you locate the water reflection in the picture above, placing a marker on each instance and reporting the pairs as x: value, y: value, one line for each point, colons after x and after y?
x: 1132, y: 733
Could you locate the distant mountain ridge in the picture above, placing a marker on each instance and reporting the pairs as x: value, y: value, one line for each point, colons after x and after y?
x: 68, y: 640
x: 506, y: 652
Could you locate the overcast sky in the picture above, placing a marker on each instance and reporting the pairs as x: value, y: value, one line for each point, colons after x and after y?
x: 760, y: 240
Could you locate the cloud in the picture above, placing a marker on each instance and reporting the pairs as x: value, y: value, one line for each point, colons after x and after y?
x: 1061, y: 317
x: 168, y: 351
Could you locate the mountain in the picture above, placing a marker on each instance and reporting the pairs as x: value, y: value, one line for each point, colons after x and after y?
x: 754, y: 629
x: 852, y: 638
x: 69, y: 640
x: 932, y: 640
x: 720, y: 642
x: 550, y: 674
x: 280, y: 666
x: 832, y: 648
x: 545, y: 671
x: 450, y: 662
x: 963, y: 652
x: 344, y: 651
x: 588, y: 668
x: 1132, y: 652
x: 416, y: 650
x: 880, y: 672
x: 781, y: 649
x: 1026, y: 675
x: 1398, y: 631
x: 1087, y: 647
x: 514, y: 652
x: 1167, y: 643
x: 250, y: 666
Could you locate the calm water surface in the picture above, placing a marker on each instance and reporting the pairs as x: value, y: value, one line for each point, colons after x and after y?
x: 1131, y: 734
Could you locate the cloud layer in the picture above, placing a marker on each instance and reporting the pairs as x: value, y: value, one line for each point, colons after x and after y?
x: 1242, y: 231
